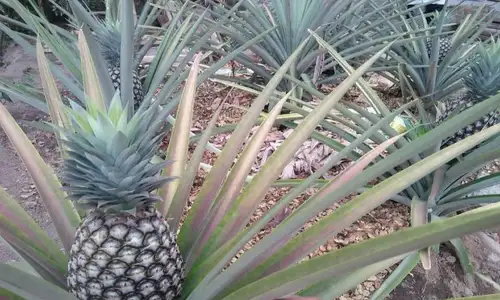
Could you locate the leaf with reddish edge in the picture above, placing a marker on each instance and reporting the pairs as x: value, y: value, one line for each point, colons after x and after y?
x: 179, y: 141
x: 306, y: 241
x: 353, y: 170
x: 293, y: 279
x: 232, y: 188
x: 286, y: 231
x: 182, y: 193
x: 219, y: 258
x: 51, y: 92
x: 337, y: 286
x: 248, y: 201
x: 27, y: 238
x: 61, y: 211
x: 255, y: 191
x: 196, y: 219
x: 91, y: 82
x: 30, y: 286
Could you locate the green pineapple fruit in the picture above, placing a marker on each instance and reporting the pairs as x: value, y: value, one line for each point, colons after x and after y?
x: 444, y: 47
x: 109, y: 38
x: 482, y: 83
x: 123, y: 249
x: 444, y: 41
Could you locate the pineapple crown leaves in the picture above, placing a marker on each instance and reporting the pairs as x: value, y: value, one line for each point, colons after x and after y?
x: 107, y: 31
x: 109, y: 38
x: 484, y: 78
x: 108, y: 163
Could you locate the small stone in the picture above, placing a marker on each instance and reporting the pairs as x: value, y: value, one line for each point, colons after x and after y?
x: 373, y: 278
x: 451, y: 259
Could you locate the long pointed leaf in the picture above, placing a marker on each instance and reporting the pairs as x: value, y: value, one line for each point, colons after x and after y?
x: 91, y: 81
x: 203, y: 202
x: 294, y: 250
x: 30, y: 241
x: 29, y: 286
x: 342, y: 284
x: 231, y: 189
x: 254, y: 192
x: 352, y: 257
x: 51, y: 92
x: 126, y: 55
x: 218, y: 259
x: 182, y: 193
x: 397, y: 276
x: 368, y: 200
x: 61, y: 211
x: 179, y: 140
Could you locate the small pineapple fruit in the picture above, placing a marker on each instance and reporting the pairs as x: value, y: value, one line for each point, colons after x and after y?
x: 109, y: 39
x: 444, y: 47
x: 124, y: 248
x: 482, y: 83
x: 444, y: 41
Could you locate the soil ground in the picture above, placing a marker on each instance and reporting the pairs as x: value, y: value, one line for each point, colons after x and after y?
x: 444, y: 280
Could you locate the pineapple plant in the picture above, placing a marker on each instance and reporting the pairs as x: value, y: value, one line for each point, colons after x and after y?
x: 124, y: 248
x: 451, y: 189
x: 106, y: 33
x: 481, y: 83
x: 444, y: 43
x: 409, y: 64
x: 348, y: 27
x: 108, y: 37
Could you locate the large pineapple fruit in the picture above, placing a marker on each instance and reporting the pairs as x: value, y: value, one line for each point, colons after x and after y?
x: 482, y: 83
x: 124, y: 248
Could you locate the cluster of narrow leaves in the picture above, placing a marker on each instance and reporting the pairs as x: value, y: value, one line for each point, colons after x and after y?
x: 351, y: 28
x: 434, y: 64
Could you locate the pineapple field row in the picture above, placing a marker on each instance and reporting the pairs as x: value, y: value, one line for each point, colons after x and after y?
x: 277, y: 149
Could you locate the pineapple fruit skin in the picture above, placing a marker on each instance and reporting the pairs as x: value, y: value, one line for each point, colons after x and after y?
x: 114, y: 73
x: 444, y: 47
x: 466, y: 102
x: 125, y: 256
